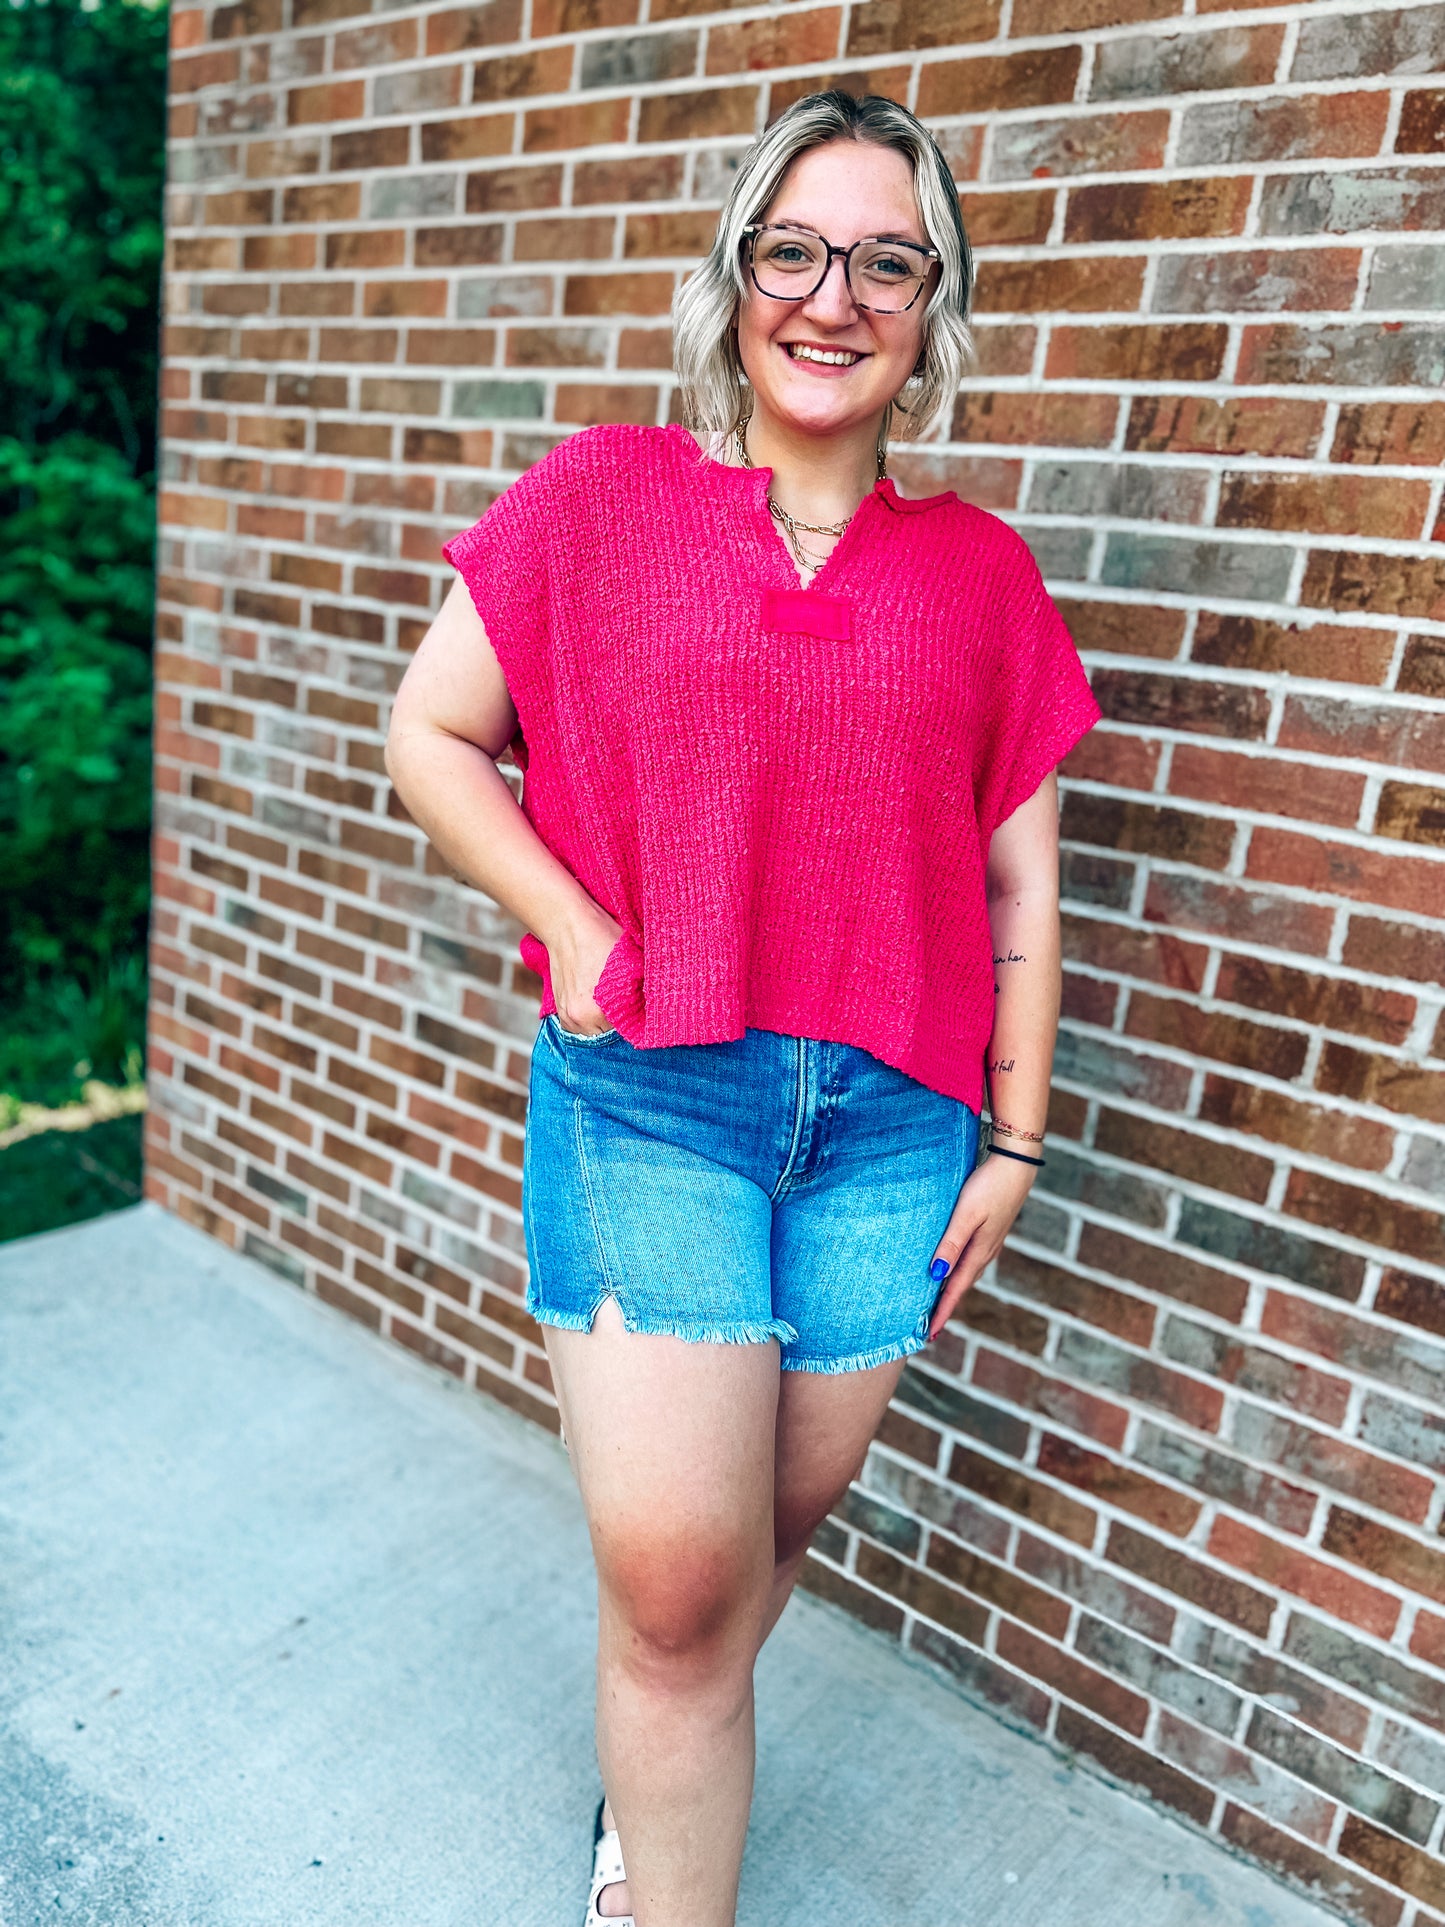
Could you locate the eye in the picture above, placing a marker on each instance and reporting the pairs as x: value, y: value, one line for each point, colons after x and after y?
x: 891, y: 266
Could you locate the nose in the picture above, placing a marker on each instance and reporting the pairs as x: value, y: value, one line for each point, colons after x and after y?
x: 833, y: 300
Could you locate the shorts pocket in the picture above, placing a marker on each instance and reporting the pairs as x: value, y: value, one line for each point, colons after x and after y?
x: 577, y: 1037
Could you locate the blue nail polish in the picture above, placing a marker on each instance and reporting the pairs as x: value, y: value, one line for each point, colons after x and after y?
x: 938, y: 1269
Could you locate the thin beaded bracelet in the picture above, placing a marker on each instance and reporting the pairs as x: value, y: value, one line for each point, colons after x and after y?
x: 996, y: 1125
x: 998, y: 1151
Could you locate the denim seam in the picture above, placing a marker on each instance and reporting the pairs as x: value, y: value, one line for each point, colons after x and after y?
x: 781, y: 1187
x: 611, y: 1291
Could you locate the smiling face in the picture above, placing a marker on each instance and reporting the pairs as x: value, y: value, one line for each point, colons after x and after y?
x: 822, y: 365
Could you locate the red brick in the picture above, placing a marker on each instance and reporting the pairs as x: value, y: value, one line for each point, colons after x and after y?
x: 1185, y: 1153
x: 888, y: 26
x: 1019, y: 1491
x: 589, y: 123
x: 1310, y: 1871
x: 1052, y: 1397
x: 1395, y: 949
x: 1192, y: 351
x: 794, y: 39
x: 1157, y: 210
x: 650, y: 177
x: 1428, y: 1640
x: 1067, y: 1675
x: 330, y: 100
x: 1396, y: 1084
x: 1294, y: 1572
x: 1411, y: 586
x: 1118, y: 1485
x: 1047, y: 421
x: 509, y: 76
x: 993, y: 220
x: 698, y: 115
x: 1419, y: 1873
x: 1391, y: 431
x: 1237, y: 424
x: 1326, y: 505
x: 1266, y: 783
x: 469, y: 137
x: 1413, y: 813
x: 1417, y: 1301
x: 1340, y: 869
x: 1162, y: 701
x: 1387, y: 1552
x: 1122, y: 628
x: 1413, y: 1230
x: 1401, y: 733
x: 605, y: 402
x: 1038, y: 77
x: 1337, y: 1135
x: 1287, y: 128
x: 1135, y: 1765
x: 642, y: 292
x: 1070, y: 282
x: 1243, y: 915
x: 490, y: 24
x: 1060, y: 1289
x: 1327, y: 652
x: 1162, y: 1270
x: 1422, y: 122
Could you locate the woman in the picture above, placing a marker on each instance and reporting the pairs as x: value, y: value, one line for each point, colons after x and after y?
x: 787, y: 862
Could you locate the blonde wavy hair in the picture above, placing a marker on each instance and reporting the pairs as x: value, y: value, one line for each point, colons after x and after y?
x: 704, y: 309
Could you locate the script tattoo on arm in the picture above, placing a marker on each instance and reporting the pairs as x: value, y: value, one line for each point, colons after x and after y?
x: 1012, y: 958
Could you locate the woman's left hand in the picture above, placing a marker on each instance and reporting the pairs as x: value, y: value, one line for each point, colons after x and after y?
x: 987, y: 1205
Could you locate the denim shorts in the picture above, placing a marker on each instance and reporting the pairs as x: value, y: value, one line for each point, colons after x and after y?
x: 769, y: 1186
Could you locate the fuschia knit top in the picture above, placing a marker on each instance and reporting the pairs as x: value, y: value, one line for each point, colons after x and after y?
x: 784, y: 796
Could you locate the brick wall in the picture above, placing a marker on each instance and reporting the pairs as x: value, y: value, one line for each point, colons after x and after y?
x: 1168, y: 1492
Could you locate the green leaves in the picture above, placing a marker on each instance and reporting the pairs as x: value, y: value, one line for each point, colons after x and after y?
x: 82, y: 133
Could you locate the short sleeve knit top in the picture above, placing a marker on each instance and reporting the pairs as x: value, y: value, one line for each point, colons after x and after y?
x: 784, y: 796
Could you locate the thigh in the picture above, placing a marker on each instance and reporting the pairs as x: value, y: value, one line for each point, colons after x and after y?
x: 851, y: 1246
x: 672, y: 1446
x: 826, y: 1422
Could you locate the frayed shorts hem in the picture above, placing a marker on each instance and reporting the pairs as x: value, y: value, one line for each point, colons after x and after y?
x: 693, y: 1332
x: 860, y: 1361
x: 737, y: 1334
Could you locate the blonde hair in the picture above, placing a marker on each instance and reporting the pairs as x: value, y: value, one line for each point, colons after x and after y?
x: 704, y: 309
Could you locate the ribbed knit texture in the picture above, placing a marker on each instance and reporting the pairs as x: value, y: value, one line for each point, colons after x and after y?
x: 784, y: 797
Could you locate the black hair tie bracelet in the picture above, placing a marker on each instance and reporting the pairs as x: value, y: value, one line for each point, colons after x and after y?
x: 997, y: 1151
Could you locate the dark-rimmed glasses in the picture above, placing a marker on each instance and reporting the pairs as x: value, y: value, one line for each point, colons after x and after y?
x: 790, y: 263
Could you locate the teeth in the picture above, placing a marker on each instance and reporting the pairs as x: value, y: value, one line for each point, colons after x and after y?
x: 839, y: 357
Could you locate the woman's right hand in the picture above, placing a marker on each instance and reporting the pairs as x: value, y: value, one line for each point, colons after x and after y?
x: 576, y: 954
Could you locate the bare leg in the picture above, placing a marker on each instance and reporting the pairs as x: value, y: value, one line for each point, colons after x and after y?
x: 825, y: 1424
x: 672, y: 1444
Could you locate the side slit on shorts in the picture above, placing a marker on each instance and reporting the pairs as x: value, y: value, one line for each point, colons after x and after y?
x: 766, y: 1187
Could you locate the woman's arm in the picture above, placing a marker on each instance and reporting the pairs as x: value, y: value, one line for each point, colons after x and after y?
x: 1023, y: 914
x: 451, y: 720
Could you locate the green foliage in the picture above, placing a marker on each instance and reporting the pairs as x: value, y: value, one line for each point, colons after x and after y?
x: 82, y: 118
x: 64, y: 1177
x: 82, y: 154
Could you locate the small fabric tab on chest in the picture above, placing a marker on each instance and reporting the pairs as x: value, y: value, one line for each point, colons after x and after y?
x: 801, y: 612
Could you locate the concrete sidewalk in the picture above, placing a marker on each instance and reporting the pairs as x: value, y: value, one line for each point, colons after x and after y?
x: 295, y: 1632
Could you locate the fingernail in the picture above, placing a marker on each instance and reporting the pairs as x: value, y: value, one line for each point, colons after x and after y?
x: 938, y: 1269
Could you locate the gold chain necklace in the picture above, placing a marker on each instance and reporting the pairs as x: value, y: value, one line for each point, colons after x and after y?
x: 791, y: 524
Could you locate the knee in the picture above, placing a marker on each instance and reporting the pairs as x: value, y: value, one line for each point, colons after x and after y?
x: 683, y: 1590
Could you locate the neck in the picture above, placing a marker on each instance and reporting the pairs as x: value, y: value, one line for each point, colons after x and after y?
x: 820, y: 477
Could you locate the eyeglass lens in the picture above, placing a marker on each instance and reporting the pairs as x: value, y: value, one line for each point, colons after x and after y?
x: 789, y: 262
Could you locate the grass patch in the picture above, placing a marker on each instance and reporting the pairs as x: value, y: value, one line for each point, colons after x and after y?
x: 56, y: 1178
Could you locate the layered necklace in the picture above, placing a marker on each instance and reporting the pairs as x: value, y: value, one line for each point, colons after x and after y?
x: 793, y: 526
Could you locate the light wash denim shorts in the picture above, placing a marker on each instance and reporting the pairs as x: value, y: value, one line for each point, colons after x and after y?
x: 769, y: 1186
